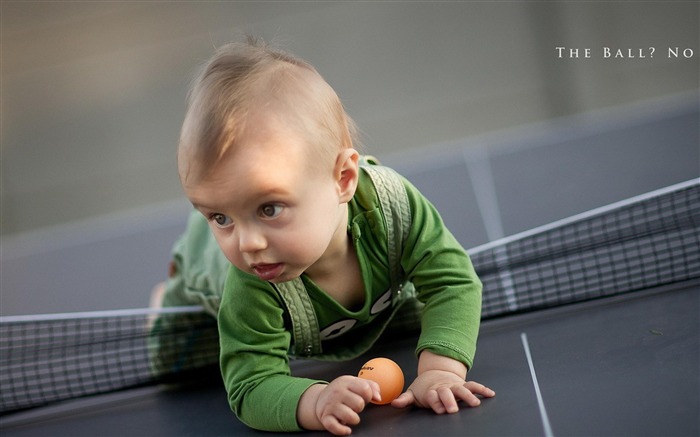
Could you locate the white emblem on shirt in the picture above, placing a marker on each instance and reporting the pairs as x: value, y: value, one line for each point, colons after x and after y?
x: 382, y: 303
x: 341, y: 327
x: 337, y: 329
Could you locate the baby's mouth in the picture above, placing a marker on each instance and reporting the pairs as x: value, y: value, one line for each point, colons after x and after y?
x: 267, y: 272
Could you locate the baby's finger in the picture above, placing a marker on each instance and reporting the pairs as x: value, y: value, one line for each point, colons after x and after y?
x: 404, y: 400
x: 447, y: 398
x: 367, y: 389
x: 376, y: 392
x: 346, y: 415
x: 479, y: 389
x: 332, y: 425
x: 463, y: 393
x: 338, y: 419
x: 433, y: 401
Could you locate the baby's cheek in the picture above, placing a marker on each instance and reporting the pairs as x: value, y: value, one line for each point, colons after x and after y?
x: 237, y: 260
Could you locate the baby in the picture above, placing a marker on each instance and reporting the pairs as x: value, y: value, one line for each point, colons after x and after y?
x: 267, y: 158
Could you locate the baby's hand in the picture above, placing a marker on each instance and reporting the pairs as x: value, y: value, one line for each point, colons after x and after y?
x: 340, y: 402
x: 441, y: 390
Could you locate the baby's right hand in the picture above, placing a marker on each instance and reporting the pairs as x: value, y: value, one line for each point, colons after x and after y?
x: 340, y: 402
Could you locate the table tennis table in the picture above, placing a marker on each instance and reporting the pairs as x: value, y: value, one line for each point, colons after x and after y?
x: 567, y: 351
x: 621, y: 365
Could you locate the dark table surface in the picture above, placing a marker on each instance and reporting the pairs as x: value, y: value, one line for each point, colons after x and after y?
x: 626, y: 365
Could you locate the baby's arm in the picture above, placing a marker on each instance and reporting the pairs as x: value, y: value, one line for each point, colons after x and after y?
x: 440, y: 384
x: 336, y: 405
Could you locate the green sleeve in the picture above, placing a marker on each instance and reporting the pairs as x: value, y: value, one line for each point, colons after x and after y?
x: 445, y: 281
x: 201, y: 268
x: 179, y: 342
x: 254, y: 355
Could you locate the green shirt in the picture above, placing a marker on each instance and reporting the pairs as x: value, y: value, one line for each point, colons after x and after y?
x: 254, y: 328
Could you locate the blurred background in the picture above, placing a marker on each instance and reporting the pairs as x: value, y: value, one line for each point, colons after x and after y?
x: 93, y: 96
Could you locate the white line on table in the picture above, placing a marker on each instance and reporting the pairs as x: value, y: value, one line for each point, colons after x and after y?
x: 540, y: 402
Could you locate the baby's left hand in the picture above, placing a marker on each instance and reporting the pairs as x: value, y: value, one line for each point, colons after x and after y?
x: 441, y: 390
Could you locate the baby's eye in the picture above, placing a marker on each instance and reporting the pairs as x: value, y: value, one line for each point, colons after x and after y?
x: 221, y: 220
x: 271, y: 211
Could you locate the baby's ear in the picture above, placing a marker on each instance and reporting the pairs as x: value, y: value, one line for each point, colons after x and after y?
x: 347, y: 173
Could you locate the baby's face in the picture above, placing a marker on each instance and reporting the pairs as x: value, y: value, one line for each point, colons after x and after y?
x: 273, y: 213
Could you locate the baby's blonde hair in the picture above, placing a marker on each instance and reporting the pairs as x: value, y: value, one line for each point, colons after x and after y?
x: 242, y: 78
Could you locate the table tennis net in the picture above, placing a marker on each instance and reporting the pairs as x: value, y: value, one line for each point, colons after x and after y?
x: 640, y: 243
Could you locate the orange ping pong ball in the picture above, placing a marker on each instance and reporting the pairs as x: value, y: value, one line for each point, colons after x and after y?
x: 387, y: 374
